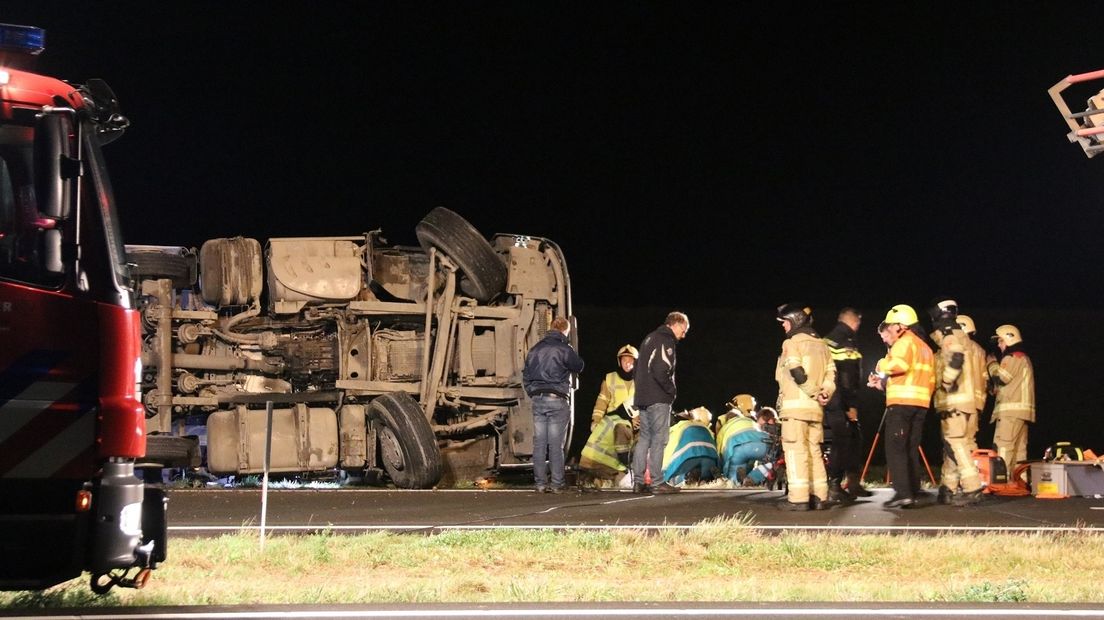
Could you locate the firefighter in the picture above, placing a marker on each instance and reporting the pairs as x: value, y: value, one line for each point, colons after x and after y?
x: 954, y: 403
x: 691, y: 450
x: 739, y: 405
x: 806, y: 379
x: 976, y: 366
x: 605, y: 457
x: 1014, y: 408
x: 907, y: 376
x: 841, y: 415
x: 740, y: 443
x: 616, y: 394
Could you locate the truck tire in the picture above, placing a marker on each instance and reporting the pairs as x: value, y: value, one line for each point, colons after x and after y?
x: 172, y: 451
x: 484, y: 272
x: 181, y: 269
x: 408, y: 447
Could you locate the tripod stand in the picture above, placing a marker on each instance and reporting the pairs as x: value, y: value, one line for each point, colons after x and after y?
x: 874, y: 444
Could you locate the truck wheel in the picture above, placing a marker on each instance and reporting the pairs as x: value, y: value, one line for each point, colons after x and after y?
x: 172, y: 451
x: 484, y: 271
x: 408, y: 447
x: 180, y: 268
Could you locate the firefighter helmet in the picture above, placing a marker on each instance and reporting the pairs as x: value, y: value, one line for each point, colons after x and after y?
x: 744, y: 402
x: 966, y: 323
x: 1008, y: 334
x: 627, y: 350
x: 901, y: 313
x: 701, y: 414
x: 943, y: 308
x: 797, y: 314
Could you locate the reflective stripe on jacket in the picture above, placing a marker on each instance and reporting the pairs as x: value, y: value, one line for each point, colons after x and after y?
x: 975, y: 365
x: 955, y: 390
x: 1015, y: 377
x: 615, y: 392
x: 688, y: 440
x: 808, y: 352
x: 910, y: 366
x: 602, y: 447
x: 737, y: 425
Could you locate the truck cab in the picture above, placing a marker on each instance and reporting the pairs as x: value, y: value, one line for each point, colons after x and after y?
x: 71, y: 420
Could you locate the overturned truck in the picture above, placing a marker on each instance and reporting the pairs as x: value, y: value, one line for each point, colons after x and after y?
x: 367, y: 357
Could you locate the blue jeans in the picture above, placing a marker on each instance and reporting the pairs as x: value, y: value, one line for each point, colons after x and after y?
x: 655, y: 430
x: 741, y: 457
x: 551, y: 415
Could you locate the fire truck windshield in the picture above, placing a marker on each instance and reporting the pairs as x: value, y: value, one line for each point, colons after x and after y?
x: 30, y: 240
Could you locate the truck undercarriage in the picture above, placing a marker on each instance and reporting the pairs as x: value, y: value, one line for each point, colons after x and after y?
x: 375, y: 356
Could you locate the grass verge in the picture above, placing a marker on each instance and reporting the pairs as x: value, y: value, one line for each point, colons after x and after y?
x: 721, y: 560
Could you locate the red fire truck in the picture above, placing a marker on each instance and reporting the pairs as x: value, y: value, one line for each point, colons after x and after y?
x: 72, y: 424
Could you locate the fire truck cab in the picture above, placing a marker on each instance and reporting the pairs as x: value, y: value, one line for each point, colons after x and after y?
x: 72, y: 424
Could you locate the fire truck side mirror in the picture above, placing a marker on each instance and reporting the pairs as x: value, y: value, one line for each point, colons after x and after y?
x: 54, y: 163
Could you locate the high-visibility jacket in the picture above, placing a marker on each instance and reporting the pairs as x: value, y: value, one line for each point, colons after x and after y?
x: 688, y: 439
x: 737, y: 431
x: 910, y: 370
x: 732, y: 427
x: 954, y: 390
x: 1015, y: 379
x: 612, y: 436
x: 615, y: 392
x: 979, y: 373
x: 807, y: 351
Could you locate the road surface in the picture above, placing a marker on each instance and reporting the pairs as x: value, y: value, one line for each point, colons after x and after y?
x: 217, y: 511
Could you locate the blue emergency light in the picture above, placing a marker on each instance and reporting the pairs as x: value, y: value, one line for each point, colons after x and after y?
x: 23, y: 39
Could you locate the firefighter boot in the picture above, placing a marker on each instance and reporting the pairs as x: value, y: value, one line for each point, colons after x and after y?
x: 855, y: 487
x: 968, y: 498
x: 785, y: 504
x: 836, y: 492
x: 946, y: 496
x: 815, y: 503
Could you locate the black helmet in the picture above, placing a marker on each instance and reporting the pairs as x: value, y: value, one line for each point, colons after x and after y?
x: 943, y: 308
x: 797, y: 314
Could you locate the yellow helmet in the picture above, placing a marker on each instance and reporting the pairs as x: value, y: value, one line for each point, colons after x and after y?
x: 1009, y: 335
x: 966, y: 323
x: 627, y: 350
x: 744, y: 402
x: 902, y: 314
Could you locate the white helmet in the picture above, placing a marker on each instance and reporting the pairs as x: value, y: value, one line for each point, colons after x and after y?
x: 1008, y: 334
x: 966, y: 323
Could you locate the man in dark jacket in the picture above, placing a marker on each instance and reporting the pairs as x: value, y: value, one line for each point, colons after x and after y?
x: 841, y: 414
x: 547, y: 378
x: 654, y: 377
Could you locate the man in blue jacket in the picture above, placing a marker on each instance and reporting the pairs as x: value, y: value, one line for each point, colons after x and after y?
x: 654, y: 377
x: 547, y: 379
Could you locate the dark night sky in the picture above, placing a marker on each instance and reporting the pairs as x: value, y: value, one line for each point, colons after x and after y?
x: 702, y: 156
x: 861, y: 153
